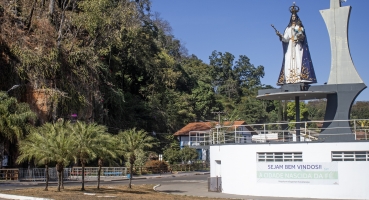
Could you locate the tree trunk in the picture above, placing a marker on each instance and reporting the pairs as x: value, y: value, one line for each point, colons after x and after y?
x: 62, y: 179
x: 59, y: 181
x: 130, y: 177
x: 60, y: 32
x: 47, y: 177
x: 100, y: 163
x: 83, y: 176
x: 132, y: 159
x: 64, y: 6
x: 51, y: 9
x: 59, y: 169
x: 29, y: 20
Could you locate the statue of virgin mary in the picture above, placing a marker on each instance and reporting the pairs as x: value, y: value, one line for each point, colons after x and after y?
x: 297, y: 66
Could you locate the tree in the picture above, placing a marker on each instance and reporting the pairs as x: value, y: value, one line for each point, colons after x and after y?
x: 316, y: 109
x: 115, y: 63
x: 141, y: 159
x: 132, y: 140
x: 360, y: 110
x: 188, y: 154
x: 108, y: 152
x: 252, y: 110
x: 236, y: 84
x: 172, y: 155
x: 36, y: 146
x: 248, y: 75
x: 223, y: 76
x: 91, y: 141
x: 291, y: 111
x: 15, y: 120
x: 49, y: 143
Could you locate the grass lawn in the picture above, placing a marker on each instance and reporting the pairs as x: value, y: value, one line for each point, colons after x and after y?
x: 105, y: 192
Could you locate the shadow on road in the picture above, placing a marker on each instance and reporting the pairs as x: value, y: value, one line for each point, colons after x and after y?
x: 172, y: 191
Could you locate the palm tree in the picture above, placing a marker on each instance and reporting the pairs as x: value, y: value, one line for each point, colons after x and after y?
x: 36, y: 146
x: 14, y: 119
x: 91, y: 141
x: 46, y: 144
x: 108, y: 152
x: 131, y: 141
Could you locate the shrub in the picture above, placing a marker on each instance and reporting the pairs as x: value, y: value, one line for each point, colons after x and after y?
x: 157, y: 166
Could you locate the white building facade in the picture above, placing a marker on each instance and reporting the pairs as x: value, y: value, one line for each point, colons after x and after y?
x: 301, y: 170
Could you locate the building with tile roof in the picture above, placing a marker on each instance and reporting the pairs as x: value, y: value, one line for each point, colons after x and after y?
x: 200, y: 135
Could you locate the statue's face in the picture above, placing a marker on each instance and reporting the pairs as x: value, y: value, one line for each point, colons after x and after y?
x: 293, y: 17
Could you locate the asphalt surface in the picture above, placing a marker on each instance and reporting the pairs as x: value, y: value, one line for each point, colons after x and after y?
x: 197, y: 185
x: 190, y: 184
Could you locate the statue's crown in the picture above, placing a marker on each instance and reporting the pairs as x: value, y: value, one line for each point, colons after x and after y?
x: 294, y: 9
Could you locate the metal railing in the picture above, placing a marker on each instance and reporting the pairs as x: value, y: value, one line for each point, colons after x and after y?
x: 195, y: 166
x: 276, y: 132
x: 9, y: 174
x: 38, y: 174
x: 75, y: 173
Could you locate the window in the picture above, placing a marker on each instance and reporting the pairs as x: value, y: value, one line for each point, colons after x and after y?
x: 350, y: 155
x: 279, y: 157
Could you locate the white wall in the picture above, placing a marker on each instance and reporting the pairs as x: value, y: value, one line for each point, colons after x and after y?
x: 239, y: 166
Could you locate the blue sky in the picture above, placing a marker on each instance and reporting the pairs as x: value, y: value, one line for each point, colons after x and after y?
x: 242, y: 27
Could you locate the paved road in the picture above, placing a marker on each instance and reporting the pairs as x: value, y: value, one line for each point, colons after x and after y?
x: 188, y: 184
x: 198, y: 186
x: 155, y: 180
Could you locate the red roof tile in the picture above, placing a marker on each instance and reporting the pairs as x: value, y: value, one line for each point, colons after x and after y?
x: 205, y: 126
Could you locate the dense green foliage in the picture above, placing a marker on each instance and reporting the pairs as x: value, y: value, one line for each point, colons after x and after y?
x: 360, y: 110
x: 14, y: 118
x: 118, y: 64
x: 316, y: 109
x: 62, y: 142
x: 50, y: 143
x: 188, y: 154
x: 15, y: 123
x: 91, y: 141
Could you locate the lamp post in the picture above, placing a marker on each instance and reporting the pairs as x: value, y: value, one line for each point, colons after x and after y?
x: 13, y: 87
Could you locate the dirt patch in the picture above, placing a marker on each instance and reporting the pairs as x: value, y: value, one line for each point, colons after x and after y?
x: 106, y: 192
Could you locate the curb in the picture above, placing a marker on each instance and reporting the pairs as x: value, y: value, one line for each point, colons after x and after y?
x: 202, y: 173
x: 8, y: 196
x: 154, y: 188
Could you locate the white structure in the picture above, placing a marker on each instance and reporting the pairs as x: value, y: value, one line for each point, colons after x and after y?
x: 343, y: 70
x: 200, y: 135
x: 304, y: 170
x: 319, y: 169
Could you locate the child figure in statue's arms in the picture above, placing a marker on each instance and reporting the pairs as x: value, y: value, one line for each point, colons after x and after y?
x: 299, y: 33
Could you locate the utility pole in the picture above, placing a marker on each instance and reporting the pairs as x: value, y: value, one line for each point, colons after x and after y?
x: 217, y: 126
x: 219, y: 112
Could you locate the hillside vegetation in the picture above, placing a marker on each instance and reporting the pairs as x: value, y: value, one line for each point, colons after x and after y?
x: 116, y: 62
